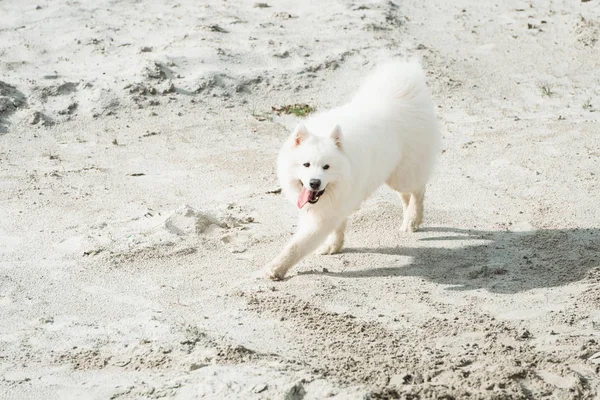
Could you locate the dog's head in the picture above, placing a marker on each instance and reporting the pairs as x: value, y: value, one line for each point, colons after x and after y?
x: 312, y: 166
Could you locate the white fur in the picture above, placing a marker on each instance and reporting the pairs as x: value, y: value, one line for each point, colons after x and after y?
x: 388, y: 134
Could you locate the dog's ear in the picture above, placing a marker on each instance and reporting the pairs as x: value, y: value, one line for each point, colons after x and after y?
x: 336, y: 135
x: 300, y: 135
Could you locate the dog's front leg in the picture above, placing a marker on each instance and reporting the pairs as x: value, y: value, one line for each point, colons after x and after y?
x: 311, y: 233
x: 334, y: 242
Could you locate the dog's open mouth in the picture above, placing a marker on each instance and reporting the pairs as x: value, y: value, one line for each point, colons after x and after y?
x: 309, y: 196
x: 315, y: 196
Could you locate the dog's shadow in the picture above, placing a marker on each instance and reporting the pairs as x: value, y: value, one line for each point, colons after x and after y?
x: 500, y: 261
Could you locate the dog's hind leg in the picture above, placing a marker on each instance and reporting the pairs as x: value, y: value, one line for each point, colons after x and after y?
x: 412, y: 203
x: 334, y: 241
x: 405, y: 197
x: 413, y: 213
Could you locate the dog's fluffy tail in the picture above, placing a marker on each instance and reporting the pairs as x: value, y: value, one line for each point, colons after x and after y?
x: 393, y: 81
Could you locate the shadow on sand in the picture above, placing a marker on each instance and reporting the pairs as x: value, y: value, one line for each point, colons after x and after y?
x: 500, y: 261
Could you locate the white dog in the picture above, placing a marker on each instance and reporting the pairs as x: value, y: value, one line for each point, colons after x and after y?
x: 387, y: 134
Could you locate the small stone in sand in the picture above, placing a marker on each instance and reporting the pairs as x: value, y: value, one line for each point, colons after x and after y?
x: 217, y: 28
x: 196, y: 366
x: 296, y: 392
x: 35, y: 117
x: 261, y: 387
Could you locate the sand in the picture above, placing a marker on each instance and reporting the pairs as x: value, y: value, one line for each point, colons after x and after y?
x: 138, y: 196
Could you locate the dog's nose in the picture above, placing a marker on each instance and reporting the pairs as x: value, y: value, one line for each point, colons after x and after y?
x: 315, y: 184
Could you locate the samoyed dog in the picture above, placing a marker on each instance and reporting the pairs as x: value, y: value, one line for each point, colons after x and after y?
x: 330, y: 164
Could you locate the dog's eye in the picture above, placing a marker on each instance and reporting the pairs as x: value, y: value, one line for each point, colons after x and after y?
x: 326, y: 166
x: 306, y: 164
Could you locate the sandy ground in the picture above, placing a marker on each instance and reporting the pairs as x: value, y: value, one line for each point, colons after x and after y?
x: 138, y: 196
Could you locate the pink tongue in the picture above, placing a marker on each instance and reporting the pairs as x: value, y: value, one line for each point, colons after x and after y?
x: 303, y: 198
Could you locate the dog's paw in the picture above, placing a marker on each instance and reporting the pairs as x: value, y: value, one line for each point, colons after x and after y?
x: 271, y: 273
x: 409, y: 225
x: 329, y: 248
